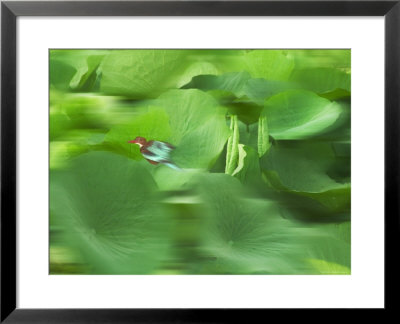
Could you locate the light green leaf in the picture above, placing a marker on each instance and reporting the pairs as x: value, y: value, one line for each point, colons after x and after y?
x: 187, y: 110
x: 141, y: 73
x: 190, y: 120
x: 240, y: 161
x: 198, y: 127
x: 327, y: 254
x: 170, y: 179
x: 108, y: 211
x: 299, y: 114
x: 325, y: 267
x: 245, y: 235
x: 197, y: 150
x: 248, y: 169
x: 84, y: 110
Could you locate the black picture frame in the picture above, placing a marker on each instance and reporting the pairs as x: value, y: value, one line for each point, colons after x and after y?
x: 10, y: 10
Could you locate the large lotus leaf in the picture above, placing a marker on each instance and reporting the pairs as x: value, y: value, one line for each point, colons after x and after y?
x: 299, y: 114
x: 152, y: 124
x: 191, y: 120
x: 244, y: 235
x: 329, y: 82
x: 269, y: 64
x: 142, y: 73
x: 107, y: 207
x: 201, y: 147
x: 187, y: 110
x: 198, y: 127
x: 303, y: 170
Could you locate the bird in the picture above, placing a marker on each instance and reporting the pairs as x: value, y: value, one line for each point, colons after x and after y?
x: 156, y: 151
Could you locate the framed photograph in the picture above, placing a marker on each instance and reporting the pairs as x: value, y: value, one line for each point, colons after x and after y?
x: 187, y: 161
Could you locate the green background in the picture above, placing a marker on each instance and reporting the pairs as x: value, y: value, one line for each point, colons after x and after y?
x: 262, y: 136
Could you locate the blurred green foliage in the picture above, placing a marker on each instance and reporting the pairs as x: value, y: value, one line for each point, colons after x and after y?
x: 262, y: 136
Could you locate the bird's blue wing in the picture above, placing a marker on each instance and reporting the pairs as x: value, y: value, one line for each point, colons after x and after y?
x: 158, y: 151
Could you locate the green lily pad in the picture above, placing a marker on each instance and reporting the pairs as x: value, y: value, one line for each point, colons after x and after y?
x: 141, y: 73
x: 303, y: 170
x: 299, y: 114
x: 244, y: 235
x: 109, y: 213
x: 198, y: 127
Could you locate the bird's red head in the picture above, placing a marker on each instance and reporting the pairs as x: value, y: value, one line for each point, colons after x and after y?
x: 139, y: 140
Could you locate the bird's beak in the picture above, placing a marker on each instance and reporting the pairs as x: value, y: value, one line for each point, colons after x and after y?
x: 133, y: 141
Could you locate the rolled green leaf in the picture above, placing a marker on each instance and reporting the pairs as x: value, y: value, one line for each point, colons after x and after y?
x: 263, y: 135
x: 232, y: 154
